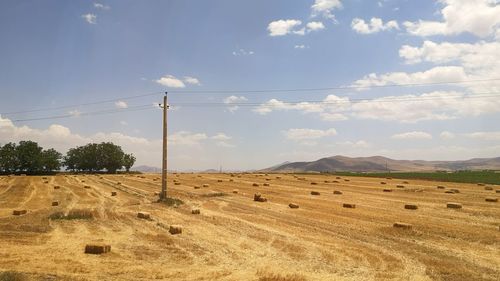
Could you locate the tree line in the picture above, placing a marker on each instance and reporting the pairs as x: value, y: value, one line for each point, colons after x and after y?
x: 29, y: 158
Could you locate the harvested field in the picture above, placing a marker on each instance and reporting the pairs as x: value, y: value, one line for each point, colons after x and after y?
x: 237, y: 238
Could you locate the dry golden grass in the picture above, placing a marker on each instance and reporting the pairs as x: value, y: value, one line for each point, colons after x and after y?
x: 239, y: 239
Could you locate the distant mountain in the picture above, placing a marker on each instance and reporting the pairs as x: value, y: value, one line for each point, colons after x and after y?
x: 146, y: 169
x: 382, y: 164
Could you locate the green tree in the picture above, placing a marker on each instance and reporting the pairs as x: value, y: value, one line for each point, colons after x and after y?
x: 51, y: 160
x: 29, y: 154
x: 110, y: 157
x: 8, y: 158
x: 128, y: 161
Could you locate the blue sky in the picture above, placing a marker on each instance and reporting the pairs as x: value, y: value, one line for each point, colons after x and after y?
x: 58, y: 53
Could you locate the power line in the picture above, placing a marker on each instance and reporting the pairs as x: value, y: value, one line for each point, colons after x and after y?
x: 258, y: 91
x: 93, y: 113
x: 328, y: 88
x: 81, y: 104
x: 358, y: 100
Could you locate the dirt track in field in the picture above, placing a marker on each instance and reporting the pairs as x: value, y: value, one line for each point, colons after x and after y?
x: 235, y: 238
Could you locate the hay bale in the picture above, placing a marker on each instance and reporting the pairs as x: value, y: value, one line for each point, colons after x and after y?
x: 176, y: 180
x: 405, y: 182
x: 258, y: 198
x: 113, y: 193
x: 177, y: 183
x: 453, y: 205
x: 55, y: 203
x: 266, y: 184
x: 175, y: 229
x: 255, y: 184
x: 480, y: 184
x: 19, y: 212
x: 44, y: 178
x: 56, y: 187
x: 327, y: 181
x: 411, y: 207
x: 387, y: 190
x: 314, y: 183
x: 440, y: 187
x: 231, y: 180
x: 497, y: 191
x: 338, y: 178
x: 144, y: 215
x: 335, y: 181
x: 118, y: 183
x: 235, y: 191
x: 293, y: 206
x: 349, y: 205
x: 383, y: 182
x: 86, y: 186
x: 402, y: 225
x: 268, y: 179
x: 449, y: 192
x: 347, y: 180
x: 195, y: 211
x: 46, y: 182
x: 82, y: 181
x: 206, y: 185
x: 197, y: 187
x: 97, y: 249
x: 219, y: 180
x: 337, y: 192
x: 488, y: 188
x: 491, y: 199
x: 278, y: 178
x: 454, y: 190
x: 400, y: 186
x: 315, y: 193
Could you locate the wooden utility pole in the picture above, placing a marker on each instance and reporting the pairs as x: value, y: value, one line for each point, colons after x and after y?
x: 163, y: 193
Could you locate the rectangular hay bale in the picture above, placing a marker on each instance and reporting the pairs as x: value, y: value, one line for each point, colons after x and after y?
x: 97, y: 249
x: 19, y: 212
x: 349, y: 205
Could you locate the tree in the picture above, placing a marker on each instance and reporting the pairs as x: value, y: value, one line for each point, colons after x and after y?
x: 29, y: 154
x: 51, y: 160
x: 110, y: 157
x: 128, y: 161
x: 8, y: 158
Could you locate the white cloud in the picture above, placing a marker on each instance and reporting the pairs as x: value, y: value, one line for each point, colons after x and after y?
x: 485, y: 136
x: 171, y: 81
x: 121, y: 104
x: 243, y: 52
x: 90, y: 18
x: 436, y: 105
x: 375, y: 25
x: 222, y: 140
x: 186, y: 138
x: 191, y: 80
x: 479, y: 17
x: 123, y: 123
x: 221, y: 137
x: 447, y: 135
x: 284, y: 27
x: 314, y: 26
x: 354, y: 144
x: 300, y: 47
x: 101, y: 6
x: 325, y: 8
x: 233, y: 100
x: 75, y: 113
x: 438, y: 74
x: 413, y: 135
x: 308, y: 134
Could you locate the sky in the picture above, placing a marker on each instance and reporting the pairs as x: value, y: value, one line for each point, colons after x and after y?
x: 254, y: 83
